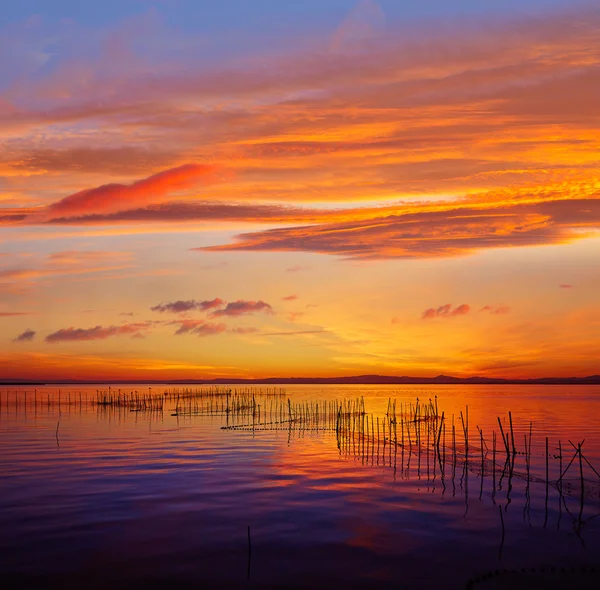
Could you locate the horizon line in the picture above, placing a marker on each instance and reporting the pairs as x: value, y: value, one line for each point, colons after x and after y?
x: 364, y: 379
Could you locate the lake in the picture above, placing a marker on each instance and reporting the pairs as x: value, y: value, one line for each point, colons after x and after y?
x: 314, y: 492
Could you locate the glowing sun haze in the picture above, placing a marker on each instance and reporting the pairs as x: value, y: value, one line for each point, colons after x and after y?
x: 299, y: 189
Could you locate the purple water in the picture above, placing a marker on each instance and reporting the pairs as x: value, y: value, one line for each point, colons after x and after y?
x: 129, y: 499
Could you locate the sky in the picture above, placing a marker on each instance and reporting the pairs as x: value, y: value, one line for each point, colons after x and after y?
x: 191, y: 189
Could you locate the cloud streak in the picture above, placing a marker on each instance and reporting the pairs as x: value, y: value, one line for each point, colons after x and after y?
x: 453, y: 231
x: 96, y: 333
x: 241, y: 307
x: 170, y: 212
x: 200, y: 328
x: 188, y: 305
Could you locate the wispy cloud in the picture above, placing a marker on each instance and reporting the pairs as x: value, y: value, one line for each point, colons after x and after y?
x: 565, y: 286
x: 26, y: 336
x: 293, y: 316
x: 70, y: 258
x: 64, y: 264
x: 68, y: 263
x: 441, y: 231
x: 197, y: 210
x: 241, y: 307
x: 290, y: 298
x: 243, y: 330
x: 499, y: 310
x: 234, y: 308
x: 188, y: 305
x: 445, y: 311
x: 199, y: 328
x: 295, y: 333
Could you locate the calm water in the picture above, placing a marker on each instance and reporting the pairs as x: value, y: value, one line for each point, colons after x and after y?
x: 125, y: 498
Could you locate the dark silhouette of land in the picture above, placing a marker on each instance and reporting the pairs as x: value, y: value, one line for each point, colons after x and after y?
x: 353, y: 380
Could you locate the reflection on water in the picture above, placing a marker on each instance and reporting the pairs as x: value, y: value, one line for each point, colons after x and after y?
x: 333, y: 491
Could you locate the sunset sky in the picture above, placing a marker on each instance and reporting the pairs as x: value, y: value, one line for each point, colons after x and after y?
x: 195, y: 189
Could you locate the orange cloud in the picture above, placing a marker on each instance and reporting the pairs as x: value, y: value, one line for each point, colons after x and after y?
x: 290, y: 298
x: 564, y: 286
x: 514, y: 105
x: 111, y: 198
x: 447, y: 231
x: 446, y: 311
x: 96, y: 333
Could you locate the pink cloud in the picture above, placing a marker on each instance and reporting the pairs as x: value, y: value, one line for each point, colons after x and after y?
x: 446, y: 311
x: 566, y: 286
x: 290, y: 298
x: 241, y: 307
x: 96, y: 333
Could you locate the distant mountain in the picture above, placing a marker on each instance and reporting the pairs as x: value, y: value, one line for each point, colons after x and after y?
x: 405, y: 380
x: 354, y: 380
x: 5, y: 382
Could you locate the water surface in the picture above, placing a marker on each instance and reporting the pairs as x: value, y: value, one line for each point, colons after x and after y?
x: 92, y: 495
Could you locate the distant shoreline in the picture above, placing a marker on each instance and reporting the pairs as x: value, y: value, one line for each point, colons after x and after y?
x: 354, y: 380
